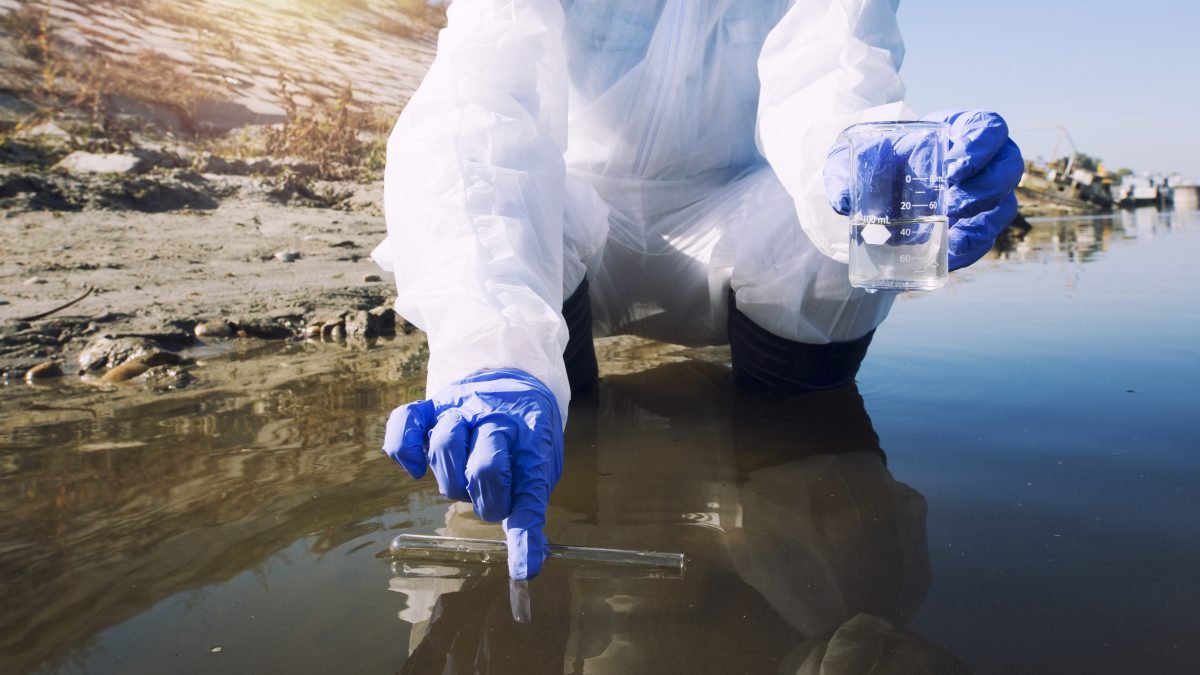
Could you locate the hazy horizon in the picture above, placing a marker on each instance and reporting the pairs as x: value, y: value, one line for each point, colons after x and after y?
x: 1115, y: 74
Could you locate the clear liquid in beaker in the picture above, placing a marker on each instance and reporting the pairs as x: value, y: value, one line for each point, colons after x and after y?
x: 899, y: 255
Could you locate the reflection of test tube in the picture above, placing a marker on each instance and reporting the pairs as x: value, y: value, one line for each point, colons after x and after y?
x: 427, y: 548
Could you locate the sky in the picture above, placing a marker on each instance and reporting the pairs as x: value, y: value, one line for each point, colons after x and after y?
x: 1122, y: 76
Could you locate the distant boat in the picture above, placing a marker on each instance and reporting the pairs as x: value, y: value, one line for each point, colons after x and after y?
x: 1143, y: 190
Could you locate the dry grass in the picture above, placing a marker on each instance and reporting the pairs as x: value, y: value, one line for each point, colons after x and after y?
x: 70, y: 83
x: 330, y: 135
x: 107, y: 101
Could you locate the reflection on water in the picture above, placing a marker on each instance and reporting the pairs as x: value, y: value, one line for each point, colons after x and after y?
x: 235, y: 527
x: 801, y: 545
x: 1082, y: 239
x: 144, y: 556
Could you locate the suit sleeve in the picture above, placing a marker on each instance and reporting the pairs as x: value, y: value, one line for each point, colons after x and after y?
x: 828, y: 64
x: 473, y: 195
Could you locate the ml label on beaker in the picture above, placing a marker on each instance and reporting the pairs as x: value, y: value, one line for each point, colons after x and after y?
x: 898, y: 230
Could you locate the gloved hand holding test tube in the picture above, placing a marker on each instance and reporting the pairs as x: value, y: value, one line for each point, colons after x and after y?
x: 482, y: 437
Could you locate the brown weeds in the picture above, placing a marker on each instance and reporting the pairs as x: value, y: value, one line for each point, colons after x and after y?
x: 329, y: 134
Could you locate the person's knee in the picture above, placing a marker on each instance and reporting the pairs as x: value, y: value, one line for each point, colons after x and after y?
x: 763, y: 359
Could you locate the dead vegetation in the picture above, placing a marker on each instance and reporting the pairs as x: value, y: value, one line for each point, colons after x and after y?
x: 341, y: 141
x: 120, y: 100
x: 91, y: 93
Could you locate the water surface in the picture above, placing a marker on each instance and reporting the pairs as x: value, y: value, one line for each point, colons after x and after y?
x: 1012, y: 487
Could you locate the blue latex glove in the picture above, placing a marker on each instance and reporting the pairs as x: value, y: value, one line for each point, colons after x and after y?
x: 983, y: 167
x: 494, y: 439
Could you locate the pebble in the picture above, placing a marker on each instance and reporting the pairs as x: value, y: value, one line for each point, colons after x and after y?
x: 166, y: 378
x: 131, y: 369
x: 3, y: 303
x: 91, y: 162
x: 125, y: 371
x: 105, y: 351
x: 287, y: 256
x: 45, y: 129
x: 327, y: 328
x: 213, y: 329
x: 34, y: 280
x: 372, y: 278
x: 43, y: 371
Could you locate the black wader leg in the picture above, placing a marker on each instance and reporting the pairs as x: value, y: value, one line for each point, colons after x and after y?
x: 580, y: 355
x: 763, y: 359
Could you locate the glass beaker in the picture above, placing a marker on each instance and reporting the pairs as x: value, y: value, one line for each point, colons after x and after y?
x: 898, y: 217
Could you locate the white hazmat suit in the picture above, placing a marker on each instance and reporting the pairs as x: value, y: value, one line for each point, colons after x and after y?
x: 666, y: 149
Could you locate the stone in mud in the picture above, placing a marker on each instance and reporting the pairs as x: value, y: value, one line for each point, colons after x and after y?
x: 81, y: 162
x: 136, y: 367
x: 327, y: 329
x: 385, y: 319
x: 125, y: 372
x: 287, y: 256
x: 110, y: 352
x: 321, y: 324
x: 217, y: 330
x: 43, y: 371
x: 31, y: 281
x: 44, y: 130
x: 165, y: 378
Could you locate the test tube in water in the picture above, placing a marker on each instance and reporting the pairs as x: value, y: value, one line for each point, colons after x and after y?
x: 461, y: 550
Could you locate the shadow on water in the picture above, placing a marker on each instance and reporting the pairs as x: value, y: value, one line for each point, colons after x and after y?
x: 238, y: 531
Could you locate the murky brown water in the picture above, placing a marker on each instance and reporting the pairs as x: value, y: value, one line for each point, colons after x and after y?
x: 1035, y: 510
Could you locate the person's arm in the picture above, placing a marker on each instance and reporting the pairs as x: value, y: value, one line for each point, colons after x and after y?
x: 474, y: 196
x: 474, y: 200
x: 828, y: 64
x: 833, y: 63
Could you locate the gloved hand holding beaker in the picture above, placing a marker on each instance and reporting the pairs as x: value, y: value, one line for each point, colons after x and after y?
x: 495, y: 439
x: 982, y: 166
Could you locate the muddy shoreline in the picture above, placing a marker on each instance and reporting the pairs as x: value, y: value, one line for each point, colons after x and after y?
x: 250, y: 268
x: 172, y: 178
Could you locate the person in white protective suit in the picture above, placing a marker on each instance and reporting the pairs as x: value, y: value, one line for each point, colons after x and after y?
x: 656, y: 167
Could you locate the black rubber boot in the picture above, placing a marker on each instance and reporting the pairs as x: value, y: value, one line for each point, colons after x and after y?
x: 580, y: 355
x: 763, y: 359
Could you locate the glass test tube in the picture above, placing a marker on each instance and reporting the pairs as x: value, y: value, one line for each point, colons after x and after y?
x: 461, y: 550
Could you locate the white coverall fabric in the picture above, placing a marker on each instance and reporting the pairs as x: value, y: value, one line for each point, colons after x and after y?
x: 630, y: 140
